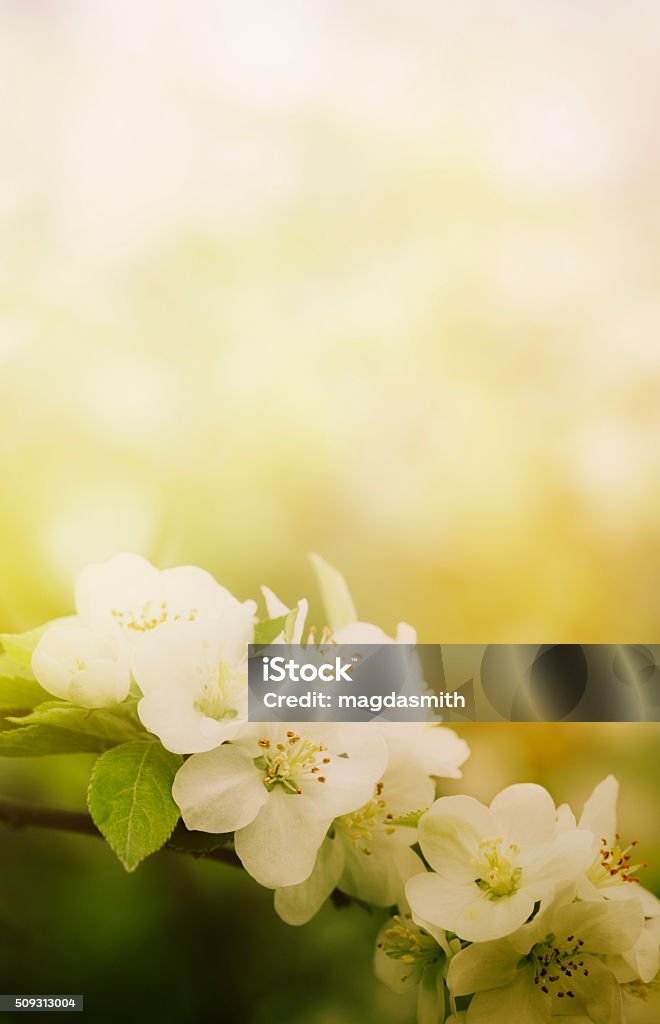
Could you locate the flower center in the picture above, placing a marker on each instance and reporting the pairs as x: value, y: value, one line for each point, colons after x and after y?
x: 149, y: 616
x: 556, y: 963
x: 371, y: 817
x: 292, y: 763
x: 412, y: 945
x: 498, y: 874
x: 613, y: 865
x: 641, y: 990
x: 217, y: 693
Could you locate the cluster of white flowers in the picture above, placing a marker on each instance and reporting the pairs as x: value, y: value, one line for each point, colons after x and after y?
x: 312, y: 807
x: 512, y: 912
x: 525, y: 915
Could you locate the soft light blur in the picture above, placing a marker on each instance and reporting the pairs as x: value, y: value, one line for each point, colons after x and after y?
x: 369, y: 279
x: 373, y: 281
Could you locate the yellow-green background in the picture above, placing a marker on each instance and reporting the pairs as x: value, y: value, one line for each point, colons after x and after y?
x: 372, y: 279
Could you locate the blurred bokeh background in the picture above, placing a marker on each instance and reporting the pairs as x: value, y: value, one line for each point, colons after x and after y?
x: 372, y: 279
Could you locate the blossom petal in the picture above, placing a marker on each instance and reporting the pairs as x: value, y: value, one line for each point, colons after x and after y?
x: 405, y: 785
x: 561, y: 859
x: 565, y: 817
x: 337, y: 601
x: 437, y: 749
x: 280, y: 845
x: 483, y: 965
x: 599, y: 992
x: 627, y: 891
x: 172, y: 717
x: 76, y: 663
x: 525, y: 813
x: 599, y: 814
x: 650, y: 902
x: 102, y: 685
x: 465, y: 910
x: 405, y: 634
x: 351, y: 778
x: 51, y: 673
x: 604, y: 927
x: 219, y: 791
x: 188, y: 587
x: 301, y: 619
x: 450, y: 833
x: 297, y: 904
x: 437, y: 900
x: 123, y: 581
x: 521, y: 1000
x: 274, y: 607
x: 379, y: 879
x: 644, y: 957
x: 493, y: 919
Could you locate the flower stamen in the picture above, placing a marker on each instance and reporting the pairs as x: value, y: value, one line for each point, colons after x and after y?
x: 498, y: 874
x: 291, y: 764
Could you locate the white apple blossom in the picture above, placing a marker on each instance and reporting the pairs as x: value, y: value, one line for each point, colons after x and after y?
x: 613, y: 872
x: 367, y: 856
x: 74, y: 663
x: 279, y: 787
x: 194, y: 682
x: 408, y: 956
x: 131, y: 599
x: 552, y: 965
x: 493, y: 864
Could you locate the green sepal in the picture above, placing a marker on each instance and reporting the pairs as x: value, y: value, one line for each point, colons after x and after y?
x: 266, y: 631
x: 409, y: 820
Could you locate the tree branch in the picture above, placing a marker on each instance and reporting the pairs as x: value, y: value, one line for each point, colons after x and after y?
x: 18, y: 815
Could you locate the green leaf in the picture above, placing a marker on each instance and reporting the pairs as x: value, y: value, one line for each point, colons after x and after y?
x: 18, y: 695
x: 19, y: 646
x: 102, y: 723
x: 337, y: 601
x: 130, y: 799
x: 12, y: 669
x: 42, y: 740
x: 268, y: 630
x: 410, y: 820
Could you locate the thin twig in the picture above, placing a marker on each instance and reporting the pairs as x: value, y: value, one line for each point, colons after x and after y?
x: 19, y: 815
